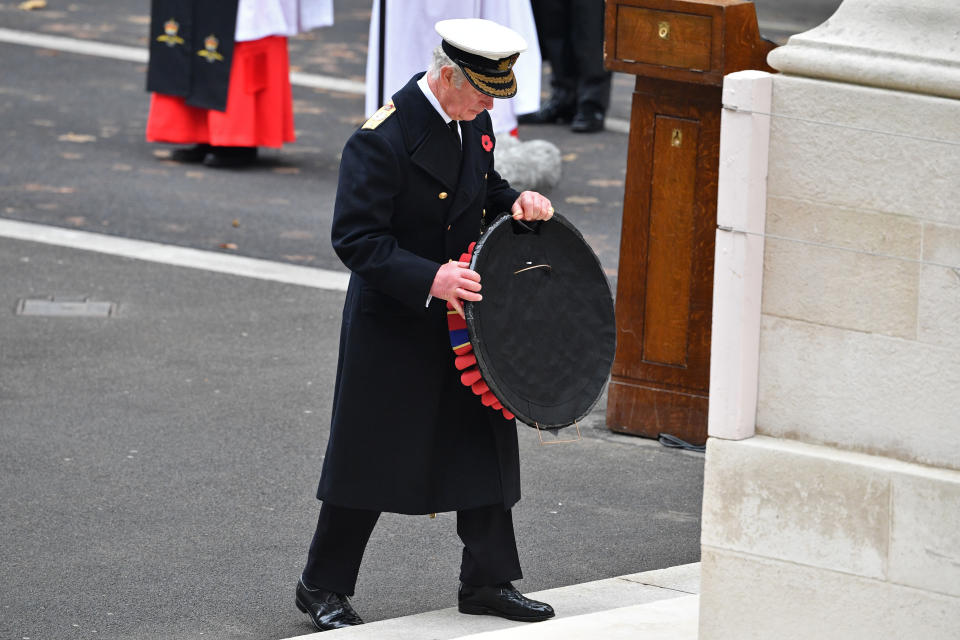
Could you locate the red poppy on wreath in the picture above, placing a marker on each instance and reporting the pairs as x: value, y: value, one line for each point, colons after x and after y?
x: 486, y: 142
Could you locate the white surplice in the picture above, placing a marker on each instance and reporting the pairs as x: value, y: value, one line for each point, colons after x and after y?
x: 410, y: 39
x: 258, y: 19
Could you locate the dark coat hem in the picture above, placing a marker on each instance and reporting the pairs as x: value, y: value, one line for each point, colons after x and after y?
x: 421, y: 511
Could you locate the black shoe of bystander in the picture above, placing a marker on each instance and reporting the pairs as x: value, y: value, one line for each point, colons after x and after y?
x: 230, y: 157
x: 587, y: 120
x: 196, y: 153
x: 553, y: 110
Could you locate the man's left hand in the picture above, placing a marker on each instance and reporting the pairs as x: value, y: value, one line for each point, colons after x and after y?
x: 531, y: 206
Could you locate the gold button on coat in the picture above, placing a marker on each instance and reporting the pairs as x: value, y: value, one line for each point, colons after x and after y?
x: 442, y: 195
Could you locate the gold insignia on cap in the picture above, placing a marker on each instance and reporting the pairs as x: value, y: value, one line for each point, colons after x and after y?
x: 507, y: 63
x: 171, y: 29
x: 209, y: 51
x: 382, y: 114
x: 492, y: 86
x: 442, y: 195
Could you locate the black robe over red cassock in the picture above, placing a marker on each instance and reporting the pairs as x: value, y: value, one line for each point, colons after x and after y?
x: 192, y: 58
x: 406, y: 436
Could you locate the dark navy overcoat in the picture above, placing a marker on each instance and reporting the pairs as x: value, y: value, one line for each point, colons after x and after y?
x: 406, y: 436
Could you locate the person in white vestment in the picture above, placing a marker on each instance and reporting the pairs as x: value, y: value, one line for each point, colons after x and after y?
x: 409, y: 38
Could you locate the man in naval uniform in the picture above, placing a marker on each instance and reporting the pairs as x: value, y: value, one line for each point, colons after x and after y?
x: 417, y: 182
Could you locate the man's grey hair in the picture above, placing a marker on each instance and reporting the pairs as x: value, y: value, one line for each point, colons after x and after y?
x: 441, y: 60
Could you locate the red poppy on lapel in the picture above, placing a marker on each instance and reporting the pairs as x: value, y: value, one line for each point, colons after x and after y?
x: 486, y: 142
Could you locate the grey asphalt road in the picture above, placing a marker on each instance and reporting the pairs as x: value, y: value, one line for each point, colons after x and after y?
x: 73, y: 153
x: 158, y: 467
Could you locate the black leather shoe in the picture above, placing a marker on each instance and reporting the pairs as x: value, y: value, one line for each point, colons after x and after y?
x: 196, y: 153
x: 553, y: 110
x: 327, y: 610
x: 502, y: 600
x: 230, y: 157
x: 587, y: 121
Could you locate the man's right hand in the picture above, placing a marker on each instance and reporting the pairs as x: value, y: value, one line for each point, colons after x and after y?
x: 454, y: 282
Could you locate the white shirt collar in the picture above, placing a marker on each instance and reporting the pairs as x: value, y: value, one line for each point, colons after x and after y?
x: 428, y: 94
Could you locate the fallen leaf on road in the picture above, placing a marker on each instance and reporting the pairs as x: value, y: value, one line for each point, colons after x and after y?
x: 301, y: 107
x: 299, y: 258
x: 122, y: 167
x: 228, y: 245
x: 196, y: 175
x: 46, y: 188
x: 287, y: 170
x: 581, y: 200
x: 236, y: 223
x: 77, y: 221
x: 161, y: 153
x: 601, y: 182
x: 334, y: 50
x: 76, y: 137
x: 570, y: 157
x: 66, y: 155
x: 30, y: 5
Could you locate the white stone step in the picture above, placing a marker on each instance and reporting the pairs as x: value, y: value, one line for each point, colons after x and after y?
x: 670, y: 619
x: 654, y: 605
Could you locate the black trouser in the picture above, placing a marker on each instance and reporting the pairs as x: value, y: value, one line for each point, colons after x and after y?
x: 571, y: 38
x: 489, y: 547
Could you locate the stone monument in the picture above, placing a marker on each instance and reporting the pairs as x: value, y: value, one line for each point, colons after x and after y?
x: 831, y: 506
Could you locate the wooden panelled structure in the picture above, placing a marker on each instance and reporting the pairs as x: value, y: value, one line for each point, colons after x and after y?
x: 679, y: 50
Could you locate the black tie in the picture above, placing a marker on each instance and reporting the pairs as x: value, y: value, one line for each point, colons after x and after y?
x: 456, y: 133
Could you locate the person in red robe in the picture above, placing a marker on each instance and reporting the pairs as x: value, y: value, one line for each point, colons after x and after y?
x: 220, y: 76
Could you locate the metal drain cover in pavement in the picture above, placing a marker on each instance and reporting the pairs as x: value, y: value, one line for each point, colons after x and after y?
x: 65, y: 307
